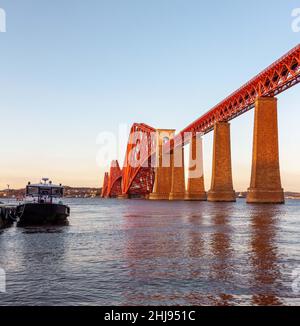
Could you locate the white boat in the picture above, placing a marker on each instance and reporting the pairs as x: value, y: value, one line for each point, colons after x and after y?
x: 43, y: 205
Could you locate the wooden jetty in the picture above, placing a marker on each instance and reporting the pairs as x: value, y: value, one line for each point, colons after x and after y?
x: 7, y: 214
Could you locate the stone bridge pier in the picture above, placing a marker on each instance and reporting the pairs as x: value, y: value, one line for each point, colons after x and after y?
x: 221, y: 184
x: 163, y: 170
x: 195, y: 187
x: 265, y: 184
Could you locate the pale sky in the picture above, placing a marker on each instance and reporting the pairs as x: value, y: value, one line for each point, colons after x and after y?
x: 71, y: 69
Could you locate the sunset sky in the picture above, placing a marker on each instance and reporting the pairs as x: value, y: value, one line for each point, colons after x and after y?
x: 72, y: 69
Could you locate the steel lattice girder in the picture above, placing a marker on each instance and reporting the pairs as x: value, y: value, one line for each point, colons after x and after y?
x: 105, y: 185
x: 115, y: 178
x: 140, y: 146
x: 281, y: 75
x: 116, y: 189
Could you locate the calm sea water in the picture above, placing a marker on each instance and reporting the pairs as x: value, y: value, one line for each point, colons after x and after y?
x: 157, y: 253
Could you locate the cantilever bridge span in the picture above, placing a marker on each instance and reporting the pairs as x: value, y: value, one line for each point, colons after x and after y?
x: 141, y: 174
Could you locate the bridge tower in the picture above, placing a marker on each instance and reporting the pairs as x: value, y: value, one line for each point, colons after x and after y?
x: 265, y: 178
x: 114, y: 188
x: 163, y: 166
x: 105, y: 185
x: 221, y: 184
x: 178, y: 175
x: 195, y: 188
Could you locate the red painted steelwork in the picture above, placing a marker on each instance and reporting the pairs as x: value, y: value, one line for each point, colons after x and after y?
x: 105, y: 185
x: 281, y: 75
x: 115, y: 180
x: 137, y: 171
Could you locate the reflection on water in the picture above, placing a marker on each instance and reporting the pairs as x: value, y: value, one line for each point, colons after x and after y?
x: 148, y: 253
x: 222, y: 252
x: 264, y: 258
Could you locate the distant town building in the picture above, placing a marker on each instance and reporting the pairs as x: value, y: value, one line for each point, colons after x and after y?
x: 70, y: 192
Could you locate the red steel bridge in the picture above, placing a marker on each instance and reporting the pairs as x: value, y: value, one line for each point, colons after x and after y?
x: 136, y: 178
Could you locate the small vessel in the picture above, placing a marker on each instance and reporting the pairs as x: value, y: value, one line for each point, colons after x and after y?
x: 43, y: 205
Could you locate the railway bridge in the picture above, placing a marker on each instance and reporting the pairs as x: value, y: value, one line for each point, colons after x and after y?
x: 154, y: 163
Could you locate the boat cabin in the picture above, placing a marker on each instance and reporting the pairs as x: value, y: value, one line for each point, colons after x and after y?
x: 44, y: 192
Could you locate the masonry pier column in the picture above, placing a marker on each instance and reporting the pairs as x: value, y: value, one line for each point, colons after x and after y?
x: 163, y: 169
x: 195, y: 188
x: 265, y: 178
x: 178, y: 178
x: 221, y: 184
